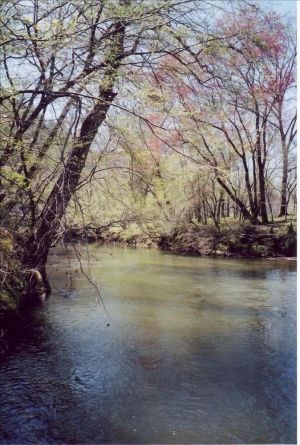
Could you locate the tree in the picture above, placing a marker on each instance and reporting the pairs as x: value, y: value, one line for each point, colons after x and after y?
x: 233, y: 85
x: 73, y: 58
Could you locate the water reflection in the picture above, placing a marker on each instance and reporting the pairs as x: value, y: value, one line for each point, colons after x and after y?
x: 198, y: 350
x: 146, y: 351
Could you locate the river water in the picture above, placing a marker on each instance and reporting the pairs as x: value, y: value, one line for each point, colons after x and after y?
x: 193, y: 350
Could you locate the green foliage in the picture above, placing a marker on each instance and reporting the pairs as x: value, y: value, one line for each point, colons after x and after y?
x: 12, y: 284
x: 8, y: 302
x: 13, y: 177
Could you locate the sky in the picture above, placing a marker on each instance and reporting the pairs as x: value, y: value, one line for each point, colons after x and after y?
x: 281, y: 6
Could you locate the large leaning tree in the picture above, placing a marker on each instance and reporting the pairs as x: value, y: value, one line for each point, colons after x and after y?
x: 62, y: 64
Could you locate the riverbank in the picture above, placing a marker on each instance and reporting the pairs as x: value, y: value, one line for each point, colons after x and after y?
x: 19, y: 288
x: 231, y: 239
x: 11, y: 279
x: 237, y: 239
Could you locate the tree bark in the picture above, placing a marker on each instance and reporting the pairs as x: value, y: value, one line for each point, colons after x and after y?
x: 262, y: 191
x: 261, y: 169
x: 283, y: 203
x: 285, y: 161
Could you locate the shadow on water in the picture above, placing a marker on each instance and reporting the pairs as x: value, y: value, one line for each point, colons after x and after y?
x: 197, y: 351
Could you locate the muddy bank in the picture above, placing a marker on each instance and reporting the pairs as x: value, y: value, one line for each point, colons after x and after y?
x: 235, y: 239
x: 238, y: 240
x: 117, y: 236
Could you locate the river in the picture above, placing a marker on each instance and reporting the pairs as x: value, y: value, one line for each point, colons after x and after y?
x: 189, y: 350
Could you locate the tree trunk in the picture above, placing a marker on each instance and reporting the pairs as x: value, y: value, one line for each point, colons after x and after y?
x: 248, y: 186
x: 254, y: 184
x: 262, y: 190
x: 261, y: 168
x: 283, y: 204
x: 228, y: 208
x: 243, y: 209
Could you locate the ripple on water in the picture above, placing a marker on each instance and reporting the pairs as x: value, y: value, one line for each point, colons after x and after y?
x: 198, y: 350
